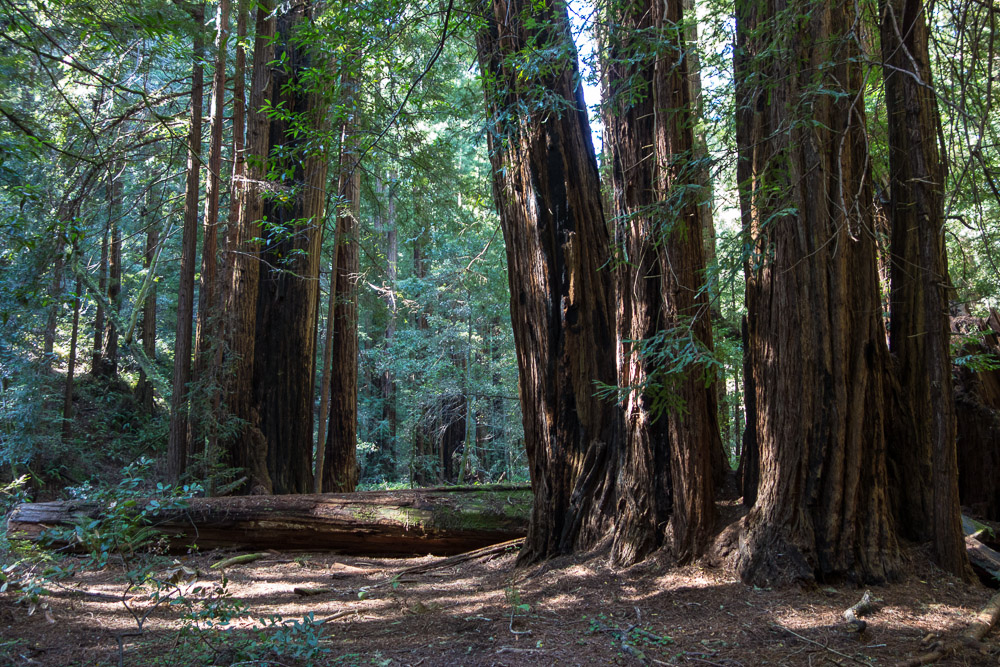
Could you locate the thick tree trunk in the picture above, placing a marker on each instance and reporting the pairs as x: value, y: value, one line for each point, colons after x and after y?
x: 177, y: 445
x: 547, y: 190
x: 287, y: 301
x: 340, y: 467
x: 815, y: 339
x: 246, y: 448
x: 672, y: 436
x: 922, y: 448
x: 374, y: 523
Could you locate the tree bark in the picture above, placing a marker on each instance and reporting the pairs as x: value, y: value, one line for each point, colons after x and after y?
x: 207, y: 355
x: 924, y: 467
x: 109, y: 357
x: 67, y: 425
x: 441, y: 522
x: 666, y: 466
x: 287, y: 297
x: 340, y: 467
x: 246, y: 447
x: 547, y: 191
x: 177, y: 445
x: 144, y: 389
x: 815, y: 340
x: 96, y: 356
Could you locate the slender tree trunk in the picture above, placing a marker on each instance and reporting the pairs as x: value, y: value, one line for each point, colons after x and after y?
x: 547, y: 190
x: 340, y: 471
x: 815, y: 339
x: 144, y: 390
x: 922, y: 450
x: 110, y: 355
x: 207, y: 338
x: 177, y: 446
x: 324, y: 383
x: 97, y: 354
x: 55, y: 294
x: 246, y: 447
x: 287, y: 303
x: 386, y: 380
x: 67, y: 425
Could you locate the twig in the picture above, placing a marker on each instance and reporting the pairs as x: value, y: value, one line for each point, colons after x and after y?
x: 239, y: 560
x: 865, y: 606
x: 823, y: 646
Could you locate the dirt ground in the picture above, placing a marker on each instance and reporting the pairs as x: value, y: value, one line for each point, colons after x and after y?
x: 574, y: 611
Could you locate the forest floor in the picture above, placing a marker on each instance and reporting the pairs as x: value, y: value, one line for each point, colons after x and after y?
x: 572, y: 611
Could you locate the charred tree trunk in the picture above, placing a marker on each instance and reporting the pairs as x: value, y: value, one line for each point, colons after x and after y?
x: 177, y: 446
x: 922, y: 450
x: 672, y: 435
x: 247, y: 448
x: 340, y: 471
x: 815, y: 340
x: 287, y: 301
x: 547, y: 190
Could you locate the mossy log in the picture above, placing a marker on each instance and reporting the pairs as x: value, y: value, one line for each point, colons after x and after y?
x: 375, y: 523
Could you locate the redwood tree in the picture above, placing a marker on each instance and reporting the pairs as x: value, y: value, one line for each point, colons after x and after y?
x: 547, y: 191
x: 665, y: 467
x: 288, y: 290
x: 177, y: 446
x: 922, y: 451
x: 245, y: 447
x: 815, y: 339
x: 340, y: 468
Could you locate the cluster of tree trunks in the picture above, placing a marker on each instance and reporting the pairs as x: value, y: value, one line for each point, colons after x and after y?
x: 850, y: 440
x: 438, y: 435
x: 376, y: 523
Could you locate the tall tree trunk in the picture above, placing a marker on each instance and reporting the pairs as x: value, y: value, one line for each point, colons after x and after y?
x: 922, y: 449
x: 701, y: 177
x: 666, y: 466
x: 287, y: 303
x: 547, y: 190
x: 340, y: 471
x: 815, y: 339
x: 386, y: 381
x: 55, y: 294
x: 177, y: 445
x: 206, y: 356
x: 245, y: 447
x: 109, y: 366
x: 97, y: 353
x: 67, y: 425
x: 144, y: 390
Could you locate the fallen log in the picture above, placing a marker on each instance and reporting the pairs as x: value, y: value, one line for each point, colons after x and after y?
x: 441, y: 522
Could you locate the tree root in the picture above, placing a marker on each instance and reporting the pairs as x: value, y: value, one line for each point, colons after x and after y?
x: 980, y: 627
